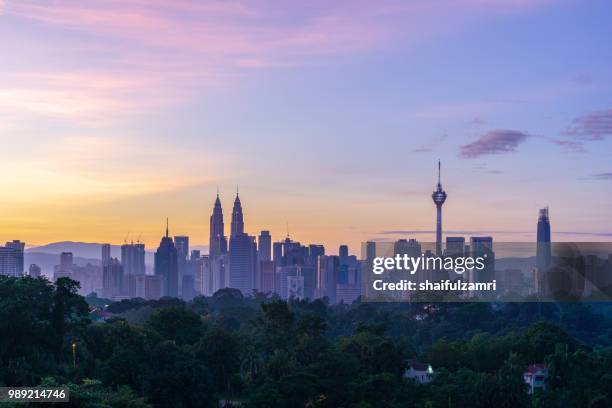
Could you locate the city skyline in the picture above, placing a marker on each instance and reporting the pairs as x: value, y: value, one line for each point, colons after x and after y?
x: 330, y: 116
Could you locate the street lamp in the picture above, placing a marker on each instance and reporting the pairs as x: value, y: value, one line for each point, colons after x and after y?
x: 74, y: 354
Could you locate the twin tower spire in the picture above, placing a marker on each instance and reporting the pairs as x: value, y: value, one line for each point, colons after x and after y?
x: 218, y: 240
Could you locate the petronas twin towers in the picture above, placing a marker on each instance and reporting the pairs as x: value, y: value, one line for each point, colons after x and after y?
x: 235, y: 263
x: 218, y: 240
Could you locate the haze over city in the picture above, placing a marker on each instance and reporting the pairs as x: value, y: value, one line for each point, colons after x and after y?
x: 330, y: 116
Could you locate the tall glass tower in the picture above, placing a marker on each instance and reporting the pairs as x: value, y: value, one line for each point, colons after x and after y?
x: 218, y: 242
x: 237, y: 218
x: 439, y: 197
x: 166, y: 264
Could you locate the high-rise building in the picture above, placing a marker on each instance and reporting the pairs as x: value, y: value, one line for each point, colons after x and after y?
x: 294, y: 253
x: 295, y: 285
x: 133, y: 263
x: 195, y: 254
x: 66, y: 267
x: 439, y: 197
x: 242, y: 253
x: 343, y: 253
x: 153, y: 286
x: 188, y: 291
x: 133, y: 259
x: 166, y: 265
x: 202, y: 274
x: 8, y: 262
x: 182, y: 249
x: 106, y: 253
x: 219, y: 269
x: 410, y: 247
x: 66, y: 259
x: 327, y: 275
x: 264, y: 256
x: 368, y: 251
x: 483, y: 247
x: 242, y: 262
x: 182, y: 246
x: 237, y: 226
x: 543, y: 241
x: 17, y: 247
x: 264, y: 246
x: 218, y: 241
x: 34, y: 271
x: 277, y: 253
x: 314, y: 252
x: 10, y: 258
x: 112, y: 279
x: 455, y: 246
x: 267, y: 274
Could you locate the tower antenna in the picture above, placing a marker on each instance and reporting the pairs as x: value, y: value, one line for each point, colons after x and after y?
x: 166, y: 227
x: 439, y: 197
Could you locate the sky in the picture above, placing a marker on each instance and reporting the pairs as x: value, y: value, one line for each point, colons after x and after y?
x: 329, y: 116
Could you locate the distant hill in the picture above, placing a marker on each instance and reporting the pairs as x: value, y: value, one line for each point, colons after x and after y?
x: 48, y: 261
x: 47, y: 256
x: 78, y: 249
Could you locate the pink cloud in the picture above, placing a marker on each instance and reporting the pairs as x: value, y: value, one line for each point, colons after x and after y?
x: 494, y: 142
x: 592, y: 126
x: 257, y: 27
x: 163, y: 50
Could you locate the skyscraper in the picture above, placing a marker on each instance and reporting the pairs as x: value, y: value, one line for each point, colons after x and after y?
x: 483, y: 247
x: 112, y: 279
x: 106, y: 253
x: 543, y: 240
x: 242, y: 261
x: 17, y: 247
x: 264, y: 257
x: 327, y: 277
x: 66, y: 259
x: 277, y: 252
x: 242, y: 253
x: 133, y: 259
x: 66, y: 267
x: 343, y: 253
x: 218, y: 241
x: 11, y: 258
x: 264, y: 246
x: 455, y: 246
x: 439, y: 197
x: 237, y: 218
x: 182, y: 248
x: 166, y: 265
x: 314, y: 252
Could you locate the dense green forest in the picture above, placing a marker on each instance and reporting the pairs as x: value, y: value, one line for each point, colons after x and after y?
x: 264, y: 352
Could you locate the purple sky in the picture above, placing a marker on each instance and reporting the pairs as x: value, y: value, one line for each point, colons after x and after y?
x: 330, y: 115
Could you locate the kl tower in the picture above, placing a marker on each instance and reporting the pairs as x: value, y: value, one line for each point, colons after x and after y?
x: 439, y: 197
